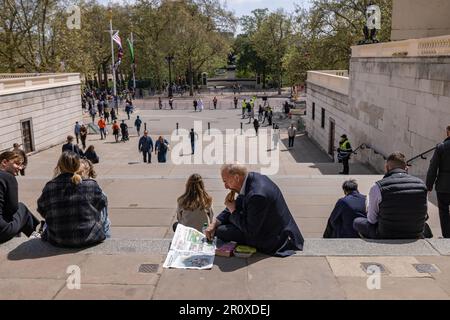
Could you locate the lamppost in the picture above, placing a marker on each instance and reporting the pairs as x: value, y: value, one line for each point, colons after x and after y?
x: 169, y: 60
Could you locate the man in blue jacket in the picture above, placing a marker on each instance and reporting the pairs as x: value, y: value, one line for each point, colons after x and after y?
x: 146, y: 147
x: 259, y: 217
x: 347, y: 209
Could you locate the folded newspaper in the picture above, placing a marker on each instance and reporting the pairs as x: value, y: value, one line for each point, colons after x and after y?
x: 190, y: 250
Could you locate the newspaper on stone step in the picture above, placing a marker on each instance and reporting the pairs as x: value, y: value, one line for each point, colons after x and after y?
x: 190, y: 250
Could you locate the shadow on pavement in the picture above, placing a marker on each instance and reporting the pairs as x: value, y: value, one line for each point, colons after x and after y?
x: 36, y: 248
x: 230, y: 264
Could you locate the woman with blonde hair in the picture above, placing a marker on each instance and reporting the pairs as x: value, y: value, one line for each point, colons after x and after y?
x: 71, y: 206
x: 195, y: 205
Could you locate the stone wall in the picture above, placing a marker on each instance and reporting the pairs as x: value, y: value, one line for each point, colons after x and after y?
x: 52, y: 111
x: 336, y: 107
x: 399, y: 104
x: 413, y: 19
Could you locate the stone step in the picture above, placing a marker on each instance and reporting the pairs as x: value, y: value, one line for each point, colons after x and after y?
x: 23, y: 248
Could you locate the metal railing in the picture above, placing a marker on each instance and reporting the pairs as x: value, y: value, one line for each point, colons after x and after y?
x: 421, y: 156
x: 363, y: 146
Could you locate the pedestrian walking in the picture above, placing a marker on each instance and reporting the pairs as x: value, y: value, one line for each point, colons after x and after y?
x: 193, y: 136
x: 76, y: 131
x: 124, y: 131
x: 195, y: 105
x: 102, y: 125
x: 106, y: 115
x: 256, y: 125
x: 171, y: 103
x: 145, y: 146
x: 137, y: 124
x: 292, y: 131
x: 113, y: 115
x: 115, y: 129
x: 200, y: 105
x: 83, y: 135
x: 128, y: 109
x: 160, y: 103
x: 215, y: 102
x: 161, y: 148
x: 235, y: 100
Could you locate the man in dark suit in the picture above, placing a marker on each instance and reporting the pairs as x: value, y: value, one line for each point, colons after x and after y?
x: 439, y: 174
x: 259, y: 217
x: 71, y: 147
x: 347, y: 209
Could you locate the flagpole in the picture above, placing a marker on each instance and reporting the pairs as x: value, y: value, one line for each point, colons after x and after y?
x: 134, y: 65
x: 112, y: 53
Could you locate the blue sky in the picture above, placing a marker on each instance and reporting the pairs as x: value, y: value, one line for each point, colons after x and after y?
x: 245, y: 7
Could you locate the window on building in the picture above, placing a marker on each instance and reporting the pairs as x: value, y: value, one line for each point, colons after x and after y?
x: 313, y: 113
x: 323, y: 118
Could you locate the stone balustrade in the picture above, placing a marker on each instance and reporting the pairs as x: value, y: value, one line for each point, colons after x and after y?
x: 336, y: 80
x: 425, y: 47
x: 16, y: 83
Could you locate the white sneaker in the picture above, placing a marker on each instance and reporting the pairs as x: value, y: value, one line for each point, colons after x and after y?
x: 35, y: 235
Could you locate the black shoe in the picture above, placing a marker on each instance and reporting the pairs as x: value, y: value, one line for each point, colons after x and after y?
x: 41, y: 226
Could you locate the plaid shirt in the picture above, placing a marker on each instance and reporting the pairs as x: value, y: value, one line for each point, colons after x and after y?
x: 72, y: 212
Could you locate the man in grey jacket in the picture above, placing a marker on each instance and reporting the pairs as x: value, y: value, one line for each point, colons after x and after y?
x: 439, y: 175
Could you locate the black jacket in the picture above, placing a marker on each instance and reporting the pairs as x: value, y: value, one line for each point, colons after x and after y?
x: 439, y: 170
x: 347, y: 209
x: 264, y: 217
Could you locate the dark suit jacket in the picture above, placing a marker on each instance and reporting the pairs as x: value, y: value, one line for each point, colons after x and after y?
x: 264, y: 217
x: 439, y: 170
x: 72, y: 148
x: 347, y: 209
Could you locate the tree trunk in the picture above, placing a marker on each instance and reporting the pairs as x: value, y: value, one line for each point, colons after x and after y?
x: 99, y: 77
x: 191, y: 82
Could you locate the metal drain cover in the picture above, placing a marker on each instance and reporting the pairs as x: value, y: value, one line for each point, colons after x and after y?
x: 425, y: 268
x: 365, y: 266
x: 148, y: 268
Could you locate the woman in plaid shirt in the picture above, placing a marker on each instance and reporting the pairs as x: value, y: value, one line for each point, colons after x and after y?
x: 72, y: 206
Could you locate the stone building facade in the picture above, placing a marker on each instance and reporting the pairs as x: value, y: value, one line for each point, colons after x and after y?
x: 38, y: 111
x: 398, y: 99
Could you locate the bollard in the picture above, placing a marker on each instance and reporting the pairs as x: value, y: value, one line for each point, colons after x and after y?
x: 177, y: 128
x: 241, y: 127
x: 145, y: 125
x: 209, y: 127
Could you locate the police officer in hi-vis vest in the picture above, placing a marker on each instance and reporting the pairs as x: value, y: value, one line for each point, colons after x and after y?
x: 344, y: 153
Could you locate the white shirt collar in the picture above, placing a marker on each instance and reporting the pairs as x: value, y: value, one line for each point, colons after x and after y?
x: 242, y: 192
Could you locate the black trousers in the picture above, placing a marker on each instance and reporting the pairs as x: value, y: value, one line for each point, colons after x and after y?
x: 346, y: 169
x: 229, y: 232
x: 444, y: 212
x: 291, y: 141
x: 149, y: 153
x: 23, y: 221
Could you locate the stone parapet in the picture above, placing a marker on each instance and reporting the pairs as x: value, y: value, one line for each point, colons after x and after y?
x: 424, y: 47
x: 18, y: 83
x: 336, y: 80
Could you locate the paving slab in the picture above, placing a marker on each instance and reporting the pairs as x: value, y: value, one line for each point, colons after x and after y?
x: 227, y: 280
x: 30, y: 289
x: 119, y: 269
x: 107, y: 292
x: 393, y: 266
x: 442, y: 277
x: 360, y: 247
x: 47, y: 267
x: 138, y: 232
x: 392, y: 288
x: 441, y: 245
x: 141, y: 219
x: 291, y: 278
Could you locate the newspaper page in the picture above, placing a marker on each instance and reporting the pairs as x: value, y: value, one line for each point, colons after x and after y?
x: 190, y: 250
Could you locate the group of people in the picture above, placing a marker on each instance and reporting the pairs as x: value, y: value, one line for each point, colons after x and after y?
x: 145, y: 146
x: 255, y: 213
x: 71, y: 219
x: 396, y: 207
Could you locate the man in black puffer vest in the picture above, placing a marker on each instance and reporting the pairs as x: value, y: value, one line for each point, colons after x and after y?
x: 397, y: 205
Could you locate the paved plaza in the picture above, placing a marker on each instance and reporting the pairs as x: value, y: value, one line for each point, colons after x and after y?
x: 142, y: 202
